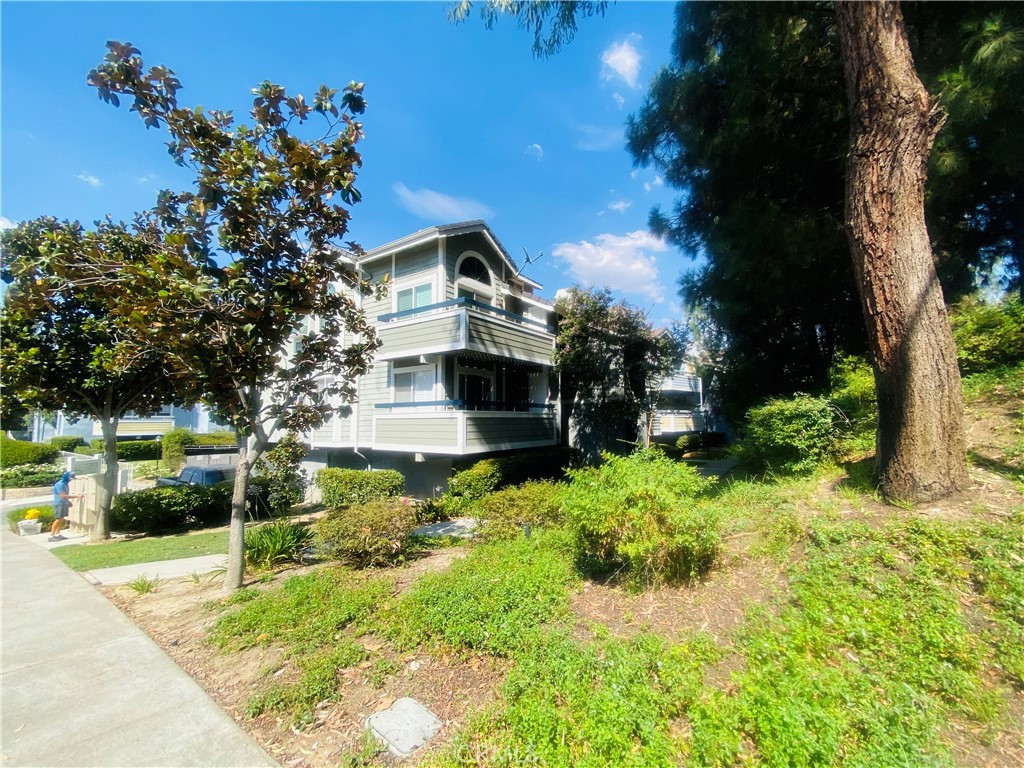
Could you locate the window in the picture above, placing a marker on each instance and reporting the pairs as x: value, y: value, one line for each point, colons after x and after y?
x: 415, y: 297
x: 473, y: 279
x: 414, y: 385
x: 474, y: 269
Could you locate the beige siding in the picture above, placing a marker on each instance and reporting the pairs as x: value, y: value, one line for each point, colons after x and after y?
x: 508, y: 340
x: 416, y: 262
x: 132, y: 427
x: 502, y: 431
x: 427, y: 333
x: 436, y: 432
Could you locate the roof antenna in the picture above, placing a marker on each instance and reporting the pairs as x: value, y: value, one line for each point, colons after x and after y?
x: 529, y: 260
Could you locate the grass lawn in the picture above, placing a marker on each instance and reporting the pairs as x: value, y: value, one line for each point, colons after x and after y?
x: 114, y: 553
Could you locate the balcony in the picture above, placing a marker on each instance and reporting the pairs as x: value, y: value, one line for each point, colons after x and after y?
x: 671, y: 422
x: 464, y: 325
x: 458, y: 428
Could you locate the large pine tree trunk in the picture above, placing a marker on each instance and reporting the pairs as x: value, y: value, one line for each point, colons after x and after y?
x: 893, y: 123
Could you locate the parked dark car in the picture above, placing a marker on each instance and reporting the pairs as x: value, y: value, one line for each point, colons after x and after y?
x: 200, y: 476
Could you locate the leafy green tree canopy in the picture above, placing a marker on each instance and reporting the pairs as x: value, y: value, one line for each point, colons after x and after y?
x: 253, y: 296
x: 62, y: 347
x: 611, y: 363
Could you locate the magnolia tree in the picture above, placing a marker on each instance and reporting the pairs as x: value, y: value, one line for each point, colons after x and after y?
x: 245, y: 296
x: 62, y: 347
x: 612, y: 364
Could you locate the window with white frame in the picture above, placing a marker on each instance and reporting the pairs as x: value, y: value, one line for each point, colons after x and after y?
x: 473, y: 279
x: 414, y: 384
x: 414, y: 297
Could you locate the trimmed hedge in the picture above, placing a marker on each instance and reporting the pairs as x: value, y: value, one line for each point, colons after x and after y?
x: 67, y: 442
x: 170, y: 508
x: 488, y: 475
x: 131, y: 450
x: 340, y: 487
x: 368, y: 534
x: 138, y: 450
x: 14, y: 453
x: 173, y: 448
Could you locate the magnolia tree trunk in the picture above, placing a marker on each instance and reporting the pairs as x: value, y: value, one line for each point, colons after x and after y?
x: 893, y: 123
x: 249, y: 451
x: 108, y: 428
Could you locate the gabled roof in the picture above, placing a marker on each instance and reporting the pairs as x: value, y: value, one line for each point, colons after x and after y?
x: 431, y: 234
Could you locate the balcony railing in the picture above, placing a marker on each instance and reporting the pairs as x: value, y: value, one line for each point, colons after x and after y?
x: 473, y: 405
x: 464, y: 302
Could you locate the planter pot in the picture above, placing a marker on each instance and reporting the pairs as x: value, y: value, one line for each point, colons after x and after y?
x: 29, y: 527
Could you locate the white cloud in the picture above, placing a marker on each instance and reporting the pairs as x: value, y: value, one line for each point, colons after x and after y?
x: 89, y: 179
x: 535, y: 149
x: 6, y: 223
x: 145, y: 178
x: 624, y: 262
x: 620, y: 205
x: 658, y: 182
x: 619, y: 99
x: 622, y: 60
x: 439, y: 207
x: 595, y: 139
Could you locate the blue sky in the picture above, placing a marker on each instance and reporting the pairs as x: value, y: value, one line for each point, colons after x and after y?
x: 462, y: 122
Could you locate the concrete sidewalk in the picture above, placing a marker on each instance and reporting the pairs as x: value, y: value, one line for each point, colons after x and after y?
x: 83, y: 686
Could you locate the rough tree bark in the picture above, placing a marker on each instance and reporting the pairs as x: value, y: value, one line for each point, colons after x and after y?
x: 893, y: 124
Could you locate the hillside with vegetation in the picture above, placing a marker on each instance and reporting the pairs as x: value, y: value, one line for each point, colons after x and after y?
x: 638, y: 614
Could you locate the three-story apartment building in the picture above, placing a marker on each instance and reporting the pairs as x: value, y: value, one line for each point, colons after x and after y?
x: 465, y: 366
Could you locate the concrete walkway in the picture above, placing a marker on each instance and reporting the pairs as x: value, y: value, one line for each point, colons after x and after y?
x: 83, y: 686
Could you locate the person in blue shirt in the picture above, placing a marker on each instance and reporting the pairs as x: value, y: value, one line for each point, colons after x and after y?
x: 61, y: 504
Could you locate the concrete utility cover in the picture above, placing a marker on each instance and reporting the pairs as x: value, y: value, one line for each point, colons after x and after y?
x: 462, y: 527
x: 405, y: 727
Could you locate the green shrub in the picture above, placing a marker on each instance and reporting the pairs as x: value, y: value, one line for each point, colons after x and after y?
x: 488, y: 475
x: 274, y: 543
x: 85, y: 450
x: 988, y: 335
x: 793, y: 434
x: 356, y: 486
x: 169, y: 508
x: 432, y: 511
x: 172, y: 448
x: 67, y: 442
x: 369, y: 534
x: 281, y: 482
x: 507, y: 511
x: 495, y: 599
x: 14, y: 453
x: 477, y: 481
x: 30, y: 475
x: 138, y: 450
x: 43, y: 514
x: 636, y: 513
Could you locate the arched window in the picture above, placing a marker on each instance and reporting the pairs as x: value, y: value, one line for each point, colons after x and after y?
x: 473, y: 279
x: 475, y: 269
